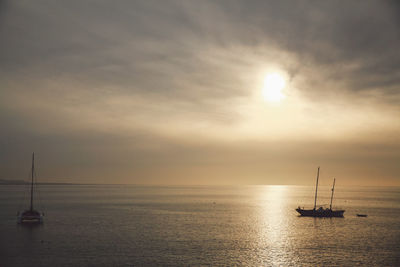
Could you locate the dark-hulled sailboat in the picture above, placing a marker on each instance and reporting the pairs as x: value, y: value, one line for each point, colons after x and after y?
x: 31, y: 216
x: 321, y: 212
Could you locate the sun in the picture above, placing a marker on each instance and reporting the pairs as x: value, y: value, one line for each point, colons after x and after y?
x: 274, y: 83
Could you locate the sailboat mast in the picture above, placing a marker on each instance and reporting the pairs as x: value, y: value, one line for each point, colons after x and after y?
x: 316, y: 190
x: 333, y: 189
x: 33, y: 170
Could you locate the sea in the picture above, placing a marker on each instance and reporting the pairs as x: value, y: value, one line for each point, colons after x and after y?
x: 130, y: 225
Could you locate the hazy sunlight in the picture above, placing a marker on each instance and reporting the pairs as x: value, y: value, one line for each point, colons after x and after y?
x: 272, y: 89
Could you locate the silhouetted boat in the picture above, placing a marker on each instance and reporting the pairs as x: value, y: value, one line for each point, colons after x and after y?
x: 320, y: 212
x: 362, y: 215
x: 31, y: 215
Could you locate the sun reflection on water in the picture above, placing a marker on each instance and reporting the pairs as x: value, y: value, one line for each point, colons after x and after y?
x: 275, y: 227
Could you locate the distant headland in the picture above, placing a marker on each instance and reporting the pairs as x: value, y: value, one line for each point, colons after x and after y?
x: 22, y: 182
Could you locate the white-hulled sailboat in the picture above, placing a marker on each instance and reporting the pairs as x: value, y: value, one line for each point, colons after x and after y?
x: 30, y: 215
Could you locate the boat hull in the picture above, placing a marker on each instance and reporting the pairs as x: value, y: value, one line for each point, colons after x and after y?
x: 320, y: 213
x: 30, y: 217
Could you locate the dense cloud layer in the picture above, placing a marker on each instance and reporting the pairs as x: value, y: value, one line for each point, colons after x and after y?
x: 162, y: 91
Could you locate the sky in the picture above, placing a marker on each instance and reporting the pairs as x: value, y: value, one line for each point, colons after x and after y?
x: 173, y: 92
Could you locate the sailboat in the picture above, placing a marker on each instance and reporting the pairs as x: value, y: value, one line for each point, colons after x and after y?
x: 31, y: 215
x: 321, y: 212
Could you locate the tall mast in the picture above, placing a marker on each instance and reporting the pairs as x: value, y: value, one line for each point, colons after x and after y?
x: 333, y: 189
x: 316, y: 190
x: 33, y: 170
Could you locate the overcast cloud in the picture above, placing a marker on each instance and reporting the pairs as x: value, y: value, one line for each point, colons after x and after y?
x: 164, y: 91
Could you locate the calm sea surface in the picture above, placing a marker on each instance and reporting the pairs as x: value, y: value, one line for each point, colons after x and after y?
x: 101, y: 225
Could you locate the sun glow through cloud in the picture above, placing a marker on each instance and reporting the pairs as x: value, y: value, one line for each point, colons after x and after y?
x: 227, y: 97
x: 274, y: 83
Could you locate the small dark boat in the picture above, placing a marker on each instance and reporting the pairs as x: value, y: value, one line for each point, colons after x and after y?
x: 30, y: 216
x: 320, y: 212
x: 362, y: 215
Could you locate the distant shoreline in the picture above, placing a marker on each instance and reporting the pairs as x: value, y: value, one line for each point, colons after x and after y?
x: 22, y: 182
